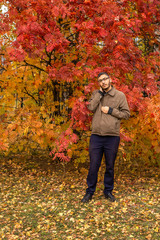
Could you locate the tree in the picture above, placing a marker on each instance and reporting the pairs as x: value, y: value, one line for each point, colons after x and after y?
x: 53, y: 51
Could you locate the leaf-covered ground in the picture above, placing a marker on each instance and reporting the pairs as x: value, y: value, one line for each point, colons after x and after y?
x: 35, y: 204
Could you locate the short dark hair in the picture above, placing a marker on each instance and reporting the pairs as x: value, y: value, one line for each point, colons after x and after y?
x: 102, y: 73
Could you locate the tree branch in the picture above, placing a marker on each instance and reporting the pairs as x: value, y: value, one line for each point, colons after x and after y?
x: 28, y: 64
x: 26, y: 91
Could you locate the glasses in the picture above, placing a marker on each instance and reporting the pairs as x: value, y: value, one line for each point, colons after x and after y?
x: 103, y: 79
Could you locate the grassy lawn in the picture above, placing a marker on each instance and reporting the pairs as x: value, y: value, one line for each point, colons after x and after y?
x: 35, y: 204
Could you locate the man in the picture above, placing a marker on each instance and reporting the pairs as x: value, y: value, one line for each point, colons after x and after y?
x: 109, y: 106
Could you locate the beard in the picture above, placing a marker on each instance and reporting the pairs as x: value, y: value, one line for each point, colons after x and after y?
x: 106, y: 87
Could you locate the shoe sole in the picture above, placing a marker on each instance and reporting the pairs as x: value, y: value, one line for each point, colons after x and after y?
x: 111, y: 200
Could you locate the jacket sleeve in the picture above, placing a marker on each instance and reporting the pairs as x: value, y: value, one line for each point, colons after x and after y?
x: 123, y: 111
x: 95, y: 100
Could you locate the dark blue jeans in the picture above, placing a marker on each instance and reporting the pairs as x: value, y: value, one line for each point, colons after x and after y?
x: 99, y: 145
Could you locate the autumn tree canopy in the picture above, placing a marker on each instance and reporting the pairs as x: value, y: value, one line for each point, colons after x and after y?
x: 51, y: 53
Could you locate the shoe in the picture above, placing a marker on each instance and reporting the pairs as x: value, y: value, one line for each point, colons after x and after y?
x: 87, y: 197
x: 110, y: 196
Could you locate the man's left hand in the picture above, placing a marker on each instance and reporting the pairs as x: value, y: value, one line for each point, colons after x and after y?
x: 105, y: 109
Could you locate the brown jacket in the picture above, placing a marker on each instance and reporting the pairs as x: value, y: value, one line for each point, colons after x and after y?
x: 108, y: 124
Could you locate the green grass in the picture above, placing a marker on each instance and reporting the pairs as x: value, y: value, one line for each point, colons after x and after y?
x: 38, y: 205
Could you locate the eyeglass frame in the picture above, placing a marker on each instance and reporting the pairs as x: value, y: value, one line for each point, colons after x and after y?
x: 103, y: 79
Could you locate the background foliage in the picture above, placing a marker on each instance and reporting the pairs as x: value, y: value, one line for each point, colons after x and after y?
x: 51, y: 53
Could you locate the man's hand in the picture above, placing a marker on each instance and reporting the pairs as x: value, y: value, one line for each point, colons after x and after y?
x: 105, y: 109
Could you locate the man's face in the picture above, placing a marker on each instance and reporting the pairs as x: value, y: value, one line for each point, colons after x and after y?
x: 105, y: 82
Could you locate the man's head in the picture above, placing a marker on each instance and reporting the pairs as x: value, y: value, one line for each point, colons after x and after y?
x: 104, y: 81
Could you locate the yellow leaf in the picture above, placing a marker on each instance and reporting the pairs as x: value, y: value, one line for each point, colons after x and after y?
x: 155, y: 143
x: 86, y: 226
x: 69, y: 153
x: 25, y: 130
x: 38, y: 82
x: 124, y: 210
x: 38, y: 124
x: 156, y: 229
x: 17, y: 225
x: 83, y: 170
x: 20, y: 147
x: 39, y: 132
x: 149, y: 236
x: 72, y: 220
x: 39, y: 227
x: 157, y: 149
x: 60, y: 214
